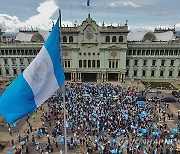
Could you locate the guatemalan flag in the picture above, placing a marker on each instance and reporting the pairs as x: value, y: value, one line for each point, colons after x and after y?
x: 88, y: 2
x: 37, y: 83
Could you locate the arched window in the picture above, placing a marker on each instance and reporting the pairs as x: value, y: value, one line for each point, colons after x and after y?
x: 30, y: 52
x: 120, y: 38
x: 109, y: 64
x: 93, y: 63
x: 70, y: 39
x: 14, y: 52
x: 22, y: 52
x: 6, y: 52
x: 64, y: 39
x: 113, y: 64
x: 26, y: 52
x: 152, y: 52
x: 7, y: 71
x: 161, y: 52
x: 157, y: 52
x: 114, y: 39
x: 98, y: 63
x: 144, y: 73
x: 171, y: 52
x: 34, y: 52
x: 80, y: 63
x: 84, y: 63
x: 107, y: 38
x: 89, y: 63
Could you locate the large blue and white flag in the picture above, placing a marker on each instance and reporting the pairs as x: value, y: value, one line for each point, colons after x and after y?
x: 37, y: 83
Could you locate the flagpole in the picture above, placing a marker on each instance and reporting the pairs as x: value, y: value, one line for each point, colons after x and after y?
x: 64, y: 105
x: 89, y: 7
x: 89, y: 10
x: 63, y: 86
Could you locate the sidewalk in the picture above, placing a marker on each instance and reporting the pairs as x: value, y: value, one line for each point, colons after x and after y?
x: 130, y: 84
x: 176, y: 84
x: 6, y: 137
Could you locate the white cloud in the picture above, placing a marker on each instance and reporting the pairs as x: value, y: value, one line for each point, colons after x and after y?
x: 159, y: 13
x: 141, y: 29
x: 42, y: 20
x: 127, y: 4
x: 110, y: 5
x: 9, y: 23
x: 177, y: 26
x: 67, y: 23
x: 151, y: 28
x: 131, y: 4
x: 83, y: 6
x: 131, y: 28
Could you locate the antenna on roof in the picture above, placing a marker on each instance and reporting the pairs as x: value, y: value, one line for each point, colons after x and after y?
x: 103, y: 24
x: 126, y: 22
x: 75, y: 23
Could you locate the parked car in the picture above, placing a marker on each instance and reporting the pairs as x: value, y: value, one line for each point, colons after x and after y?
x: 176, y: 94
x: 154, y: 99
x: 168, y: 100
x: 141, y: 98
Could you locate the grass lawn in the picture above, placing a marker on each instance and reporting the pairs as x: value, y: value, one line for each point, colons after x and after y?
x: 160, y: 85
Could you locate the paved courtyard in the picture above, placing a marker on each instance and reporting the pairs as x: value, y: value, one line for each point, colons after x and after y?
x: 22, y: 126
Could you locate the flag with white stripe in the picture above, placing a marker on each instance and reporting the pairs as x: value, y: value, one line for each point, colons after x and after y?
x: 37, y: 83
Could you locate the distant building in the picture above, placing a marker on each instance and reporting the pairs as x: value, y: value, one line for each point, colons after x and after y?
x: 8, y: 37
x: 101, y: 53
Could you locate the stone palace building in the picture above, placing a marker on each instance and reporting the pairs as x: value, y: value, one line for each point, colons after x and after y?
x: 100, y: 53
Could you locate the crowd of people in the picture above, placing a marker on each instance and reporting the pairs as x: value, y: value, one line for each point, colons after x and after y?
x: 104, y: 119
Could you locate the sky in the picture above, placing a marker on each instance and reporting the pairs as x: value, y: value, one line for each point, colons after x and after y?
x: 39, y: 14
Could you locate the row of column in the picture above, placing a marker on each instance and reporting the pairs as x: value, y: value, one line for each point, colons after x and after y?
x: 76, y: 77
x: 101, y: 77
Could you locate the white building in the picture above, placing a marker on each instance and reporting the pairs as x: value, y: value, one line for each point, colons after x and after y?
x: 101, y: 53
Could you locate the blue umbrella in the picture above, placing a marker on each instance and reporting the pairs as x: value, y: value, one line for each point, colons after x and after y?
x: 126, y: 116
x: 61, y: 139
x: 175, y: 131
x: 95, y: 138
x: 156, y: 132
x: 139, y: 134
x: 145, y: 130
x: 118, y: 134
x: 114, y: 151
x: 144, y: 114
x: 143, y: 103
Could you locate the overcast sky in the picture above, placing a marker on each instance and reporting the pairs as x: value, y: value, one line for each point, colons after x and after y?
x: 141, y: 14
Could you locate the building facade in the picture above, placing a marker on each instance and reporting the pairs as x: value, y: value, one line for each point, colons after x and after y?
x: 101, y: 53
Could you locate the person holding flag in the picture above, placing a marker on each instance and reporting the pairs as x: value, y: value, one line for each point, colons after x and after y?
x: 37, y: 83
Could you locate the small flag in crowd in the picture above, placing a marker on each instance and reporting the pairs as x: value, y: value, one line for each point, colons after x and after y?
x: 88, y: 2
x: 37, y: 83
